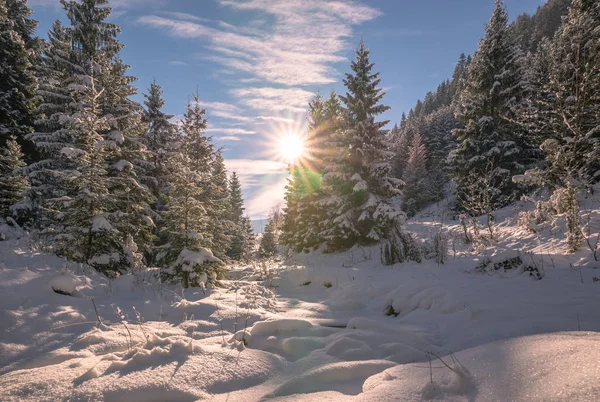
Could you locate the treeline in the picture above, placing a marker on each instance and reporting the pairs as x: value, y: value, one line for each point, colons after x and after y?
x: 522, y: 113
x: 104, y: 180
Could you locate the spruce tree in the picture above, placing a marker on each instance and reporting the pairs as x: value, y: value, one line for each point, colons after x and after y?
x: 19, y: 50
x: 564, y: 114
x: 96, y: 49
x: 89, y: 232
x: 240, y: 231
x: 361, y: 183
x: 493, y: 86
x: 268, y: 242
x: 186, y: 218
x: 157, y: 137
x: 13, y: 183
x: 49, y: 175
x: 415, y: 177
x: 219, y: 224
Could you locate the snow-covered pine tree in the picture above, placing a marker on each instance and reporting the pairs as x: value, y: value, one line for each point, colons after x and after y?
x: 48, y: 176
x: 249, y: 249
x: 439, y: 141
x: 564, y: 108
x: 158, y: 136
x: 415, y: 177
x: 184, y: 236
x: 97, y: 49
x: 566, y: 112
x: 493, y: 86
x: 89, y: 233
x: 269, y: 240
x: 236, y: 217
x: 220, y: 226
x: 19, y: 50
x: 362, y: 211
x: 13, y: 182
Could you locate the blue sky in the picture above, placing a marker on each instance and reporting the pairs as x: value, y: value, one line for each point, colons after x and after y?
x: 256, y: 63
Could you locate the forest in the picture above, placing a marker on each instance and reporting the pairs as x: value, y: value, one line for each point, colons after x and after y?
x: 449, y: 253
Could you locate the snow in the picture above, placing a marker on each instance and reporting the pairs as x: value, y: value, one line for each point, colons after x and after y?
x: 100, y: 224
x: 71, y: 152
x: 123, y: 165
x: 188, y: 260
x: 64, y: 283
x: 338, y: 327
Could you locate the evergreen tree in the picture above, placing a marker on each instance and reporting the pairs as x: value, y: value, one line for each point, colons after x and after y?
x: 158, y: 136
x: 564, y: 114
x: 19, y: 50
x: 12, y: 181
x: 89, y: 232
x: 361, y: 183
x: 415, y: 177
x: 249, y: 239
x: 268, y: 243
x: 49, y: 175
x: 485, y: 104
x: 219, y: 224
x: 186, y: 219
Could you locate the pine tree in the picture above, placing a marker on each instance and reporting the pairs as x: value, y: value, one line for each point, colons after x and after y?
x: 485, y: 103
x: 186, y: 219
x: 13, y: 183
x: 219, y: 224
x: 95, y: 47
x: 89, y: 232
x: 242, y: 238
x: 415, y: 177
x: 361, y: 183
x: 249, y: 239
x: 18, y: 56
x: 158, y: 136
x: 564, y: 114
x: 268, y: 243
x: 49, y: 175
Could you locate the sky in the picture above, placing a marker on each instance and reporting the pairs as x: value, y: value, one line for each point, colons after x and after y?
x: 255, y: 64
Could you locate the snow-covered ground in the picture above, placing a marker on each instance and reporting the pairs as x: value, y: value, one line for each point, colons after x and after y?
x: 316, y: 327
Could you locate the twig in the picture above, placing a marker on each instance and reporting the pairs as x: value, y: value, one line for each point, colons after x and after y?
x: 97, y: 315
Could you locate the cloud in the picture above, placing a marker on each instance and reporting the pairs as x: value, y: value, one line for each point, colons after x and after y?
x: 177, y: 63
x: 230, y: 131
x: 229, y: 138
x: 299, y: 47
x: 268, y: 197
x: 248, y: 168
x: 277, y: 119
x: 226, y: 111
x: 115, y: 4
x: 274, y: 99
x: 184, y: 16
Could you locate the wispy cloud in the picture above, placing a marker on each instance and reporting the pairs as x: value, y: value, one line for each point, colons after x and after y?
x: 299, y: 48
x: 277, y: 119
x: 230, y: 131
x: 229, y: 138
x: 177, y: 63
x: 274, y: 99
x: 115, y: 4
x: 271, y: 195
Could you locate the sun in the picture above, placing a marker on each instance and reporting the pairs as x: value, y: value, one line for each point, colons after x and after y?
x: 291, y: 148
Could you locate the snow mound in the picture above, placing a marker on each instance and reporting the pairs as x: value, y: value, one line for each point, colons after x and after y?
x: 553, y: 367
x: 268, y: 328
x: 64, y: 283
x: 345, y: 377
